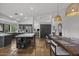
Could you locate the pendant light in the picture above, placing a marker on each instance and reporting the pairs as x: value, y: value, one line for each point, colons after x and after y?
x: 58, y: 17
x: 72, y: 10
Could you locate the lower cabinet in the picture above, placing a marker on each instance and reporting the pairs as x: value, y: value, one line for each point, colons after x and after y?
x: 22, y: 43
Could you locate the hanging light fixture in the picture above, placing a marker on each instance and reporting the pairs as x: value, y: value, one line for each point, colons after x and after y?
x: 58, y: 17
x: 72, y: 10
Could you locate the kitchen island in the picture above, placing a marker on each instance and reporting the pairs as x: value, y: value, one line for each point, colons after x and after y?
x: 14, y: 33
x: 5, y: 39
x: 22, y: 40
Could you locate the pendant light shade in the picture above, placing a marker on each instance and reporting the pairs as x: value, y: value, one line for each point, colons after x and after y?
x: 58, y: 19
x: 72, y: 10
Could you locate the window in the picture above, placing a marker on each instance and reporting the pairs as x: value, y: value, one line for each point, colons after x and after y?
x: 13, y: 27
x: 1, y: 27
x: 6, y: 28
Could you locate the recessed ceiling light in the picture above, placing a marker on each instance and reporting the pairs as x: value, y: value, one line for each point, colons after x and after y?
x: 21, y: 14
x: 11, y: 16
x: 25, y: 18
x: 31, y: 8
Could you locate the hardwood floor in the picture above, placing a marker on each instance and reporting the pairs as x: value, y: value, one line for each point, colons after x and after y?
x: 40, y: 50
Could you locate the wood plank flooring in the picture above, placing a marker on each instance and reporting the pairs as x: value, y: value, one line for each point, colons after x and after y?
x: 40, y: 50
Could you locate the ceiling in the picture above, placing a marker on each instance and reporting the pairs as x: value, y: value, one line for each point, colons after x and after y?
x: 8, y: 10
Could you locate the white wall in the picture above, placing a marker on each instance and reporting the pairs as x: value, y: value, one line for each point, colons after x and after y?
x: 37, y: 21
x: 70, y: 26
x: 29, y: 20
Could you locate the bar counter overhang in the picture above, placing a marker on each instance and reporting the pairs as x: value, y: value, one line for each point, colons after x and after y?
x: 72, y: 49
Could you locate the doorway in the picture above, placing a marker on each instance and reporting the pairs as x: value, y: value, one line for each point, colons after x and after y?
x: 45, y: 29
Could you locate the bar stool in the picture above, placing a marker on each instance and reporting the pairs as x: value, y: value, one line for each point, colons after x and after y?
x: 47, y: 41
x: 57, y: 50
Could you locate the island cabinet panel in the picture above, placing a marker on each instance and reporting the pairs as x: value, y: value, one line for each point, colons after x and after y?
x: 23, y: 40
x: 5, y: 40
x: 1, y: 41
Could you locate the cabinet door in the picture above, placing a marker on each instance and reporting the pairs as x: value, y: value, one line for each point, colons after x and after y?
x: 1, y: 41
x: 7, y: 40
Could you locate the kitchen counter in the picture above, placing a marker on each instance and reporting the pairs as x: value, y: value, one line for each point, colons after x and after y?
x: 22, y: 40
x: 14, y: 33
x: 4, y: 34
x: 26, y: 35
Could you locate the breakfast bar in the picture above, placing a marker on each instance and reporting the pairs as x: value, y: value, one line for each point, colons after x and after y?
x: 72, y: 49
x: 22, y: 40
